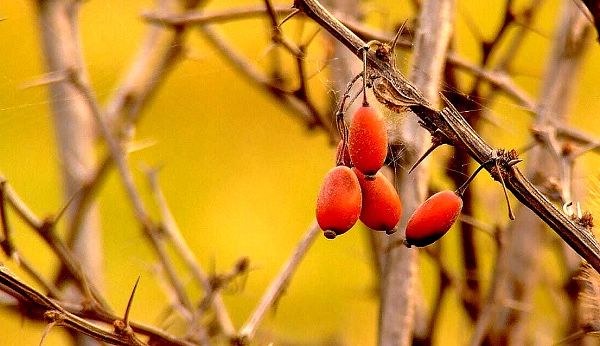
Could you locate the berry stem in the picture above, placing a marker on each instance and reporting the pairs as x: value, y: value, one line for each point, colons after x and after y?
x: 461, y: 190
x: 510, y: 212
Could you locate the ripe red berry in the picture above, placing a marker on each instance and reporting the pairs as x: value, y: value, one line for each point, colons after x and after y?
x: 433, y: 218
x: 343, y: 158
x: 381, y: 206
x: 367, y: 141
x: 339, y: 202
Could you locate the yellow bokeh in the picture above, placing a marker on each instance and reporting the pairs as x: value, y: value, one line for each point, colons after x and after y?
x: 240, y: 173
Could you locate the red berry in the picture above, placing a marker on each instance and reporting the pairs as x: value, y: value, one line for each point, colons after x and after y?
x: 381, y: 206
x: 345, y: 157
x: 339, y: 202
x: 367, y: 141
x: 433, y: 218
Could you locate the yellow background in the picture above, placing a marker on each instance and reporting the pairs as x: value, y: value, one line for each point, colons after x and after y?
x: 240, y: 173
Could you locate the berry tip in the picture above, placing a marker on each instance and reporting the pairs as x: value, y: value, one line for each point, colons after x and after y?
x: 329, y: 234
x: 370, y: 177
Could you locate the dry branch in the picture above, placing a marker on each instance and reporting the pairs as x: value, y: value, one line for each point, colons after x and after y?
x: 525, y: 237
x: 458, y: 133
x: 74, y: 128
x: 278, y: 285
x: 398, y: 287
x: 55, y: 312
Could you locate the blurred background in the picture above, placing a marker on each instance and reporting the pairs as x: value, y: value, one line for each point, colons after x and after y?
x: 241, y: 174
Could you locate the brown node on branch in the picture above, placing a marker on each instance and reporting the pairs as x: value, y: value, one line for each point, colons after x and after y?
x: 584, y: 219
x: 220, y: 280
x: 503, y: 161
x: 54, y: 316
x: 385, y: 51
x: 568, y: 148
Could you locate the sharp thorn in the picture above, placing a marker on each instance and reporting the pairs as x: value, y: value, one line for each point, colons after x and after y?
x: 130, y: 302
x: 514, y: 162
x: 62, y: 211
x: 398, y: 34
x: 433, y: 146
x: 288, y: 17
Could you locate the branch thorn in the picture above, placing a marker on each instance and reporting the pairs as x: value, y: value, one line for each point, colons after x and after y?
x: 62, y: 211
x: 289, y: 16
x: 436, y: 141
x: 130, y: 302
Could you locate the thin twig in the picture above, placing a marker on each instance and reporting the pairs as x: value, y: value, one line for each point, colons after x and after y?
x: 46, y: 231
x: 124, y: 170
x: 56, y: 313
x: 302, y: 108
x: 279, y: 284
x: 214, y: 16
x: 173, y: 233
x: 22, y: 210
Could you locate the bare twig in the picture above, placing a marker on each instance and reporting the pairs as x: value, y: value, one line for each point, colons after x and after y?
x: 174, y: 235
x: 299, y: 103
x: 74, y: 125
x: 45, y: 230
x: 138, y: 206
x: 155, y: 59
x: 279, y: 284
x: 56, y: 313
x: 215, y: 16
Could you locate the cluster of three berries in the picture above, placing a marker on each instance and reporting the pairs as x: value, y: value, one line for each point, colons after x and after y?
x: 356, y: 189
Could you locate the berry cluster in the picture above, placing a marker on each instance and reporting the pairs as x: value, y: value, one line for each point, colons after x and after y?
x: 355, y: 189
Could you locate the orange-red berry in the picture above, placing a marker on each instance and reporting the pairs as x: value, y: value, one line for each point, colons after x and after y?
x: 339, y: 202
x: 381, y: 206
x: 433, y: 218
x: 368, y: 140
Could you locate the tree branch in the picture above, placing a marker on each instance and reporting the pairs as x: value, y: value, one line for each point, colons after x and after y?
x: 398, y: 286
x: 401, y: 92
x: 278, y: 285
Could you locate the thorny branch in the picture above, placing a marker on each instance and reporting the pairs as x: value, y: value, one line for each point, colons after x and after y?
x: 398, y: 93
x: 391, y: 88
x: 400, y: 270
x: 278, y: 285
x: 94, y: 307
x: 65, y: 316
